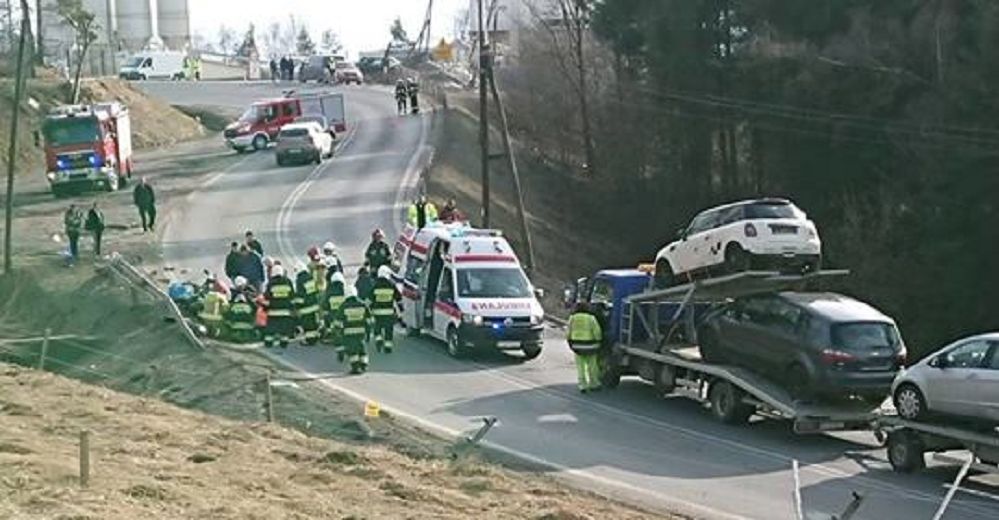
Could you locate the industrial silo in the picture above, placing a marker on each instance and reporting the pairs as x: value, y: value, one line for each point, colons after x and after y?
x: 174, y: 23
x: 134, y: 23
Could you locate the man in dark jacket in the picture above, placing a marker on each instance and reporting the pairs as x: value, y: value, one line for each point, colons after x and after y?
x: 232, y: 261
x: 251, y: 267
x: 95, y: 224
x: 253, y: 243
x: 378, y: 253
x: 145, y: 199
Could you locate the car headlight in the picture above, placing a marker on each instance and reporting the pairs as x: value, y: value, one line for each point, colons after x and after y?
x: 51, y: 176
x: 473, y: 319
x: 537, y: 319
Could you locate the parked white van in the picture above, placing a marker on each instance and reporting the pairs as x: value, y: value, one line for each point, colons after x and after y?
x: 154, y: 65
x: 465, y: 286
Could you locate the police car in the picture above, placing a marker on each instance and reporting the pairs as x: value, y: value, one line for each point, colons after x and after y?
x: 466, y: 287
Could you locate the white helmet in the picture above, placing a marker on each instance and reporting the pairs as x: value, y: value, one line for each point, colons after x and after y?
x: 240, y: 282
x: 350, y: 291
x: 329, y: 248
x: 385, y: 272
x: 338, y: 277
x: 277, y: 270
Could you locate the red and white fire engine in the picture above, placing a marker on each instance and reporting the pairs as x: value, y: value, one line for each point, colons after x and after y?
x: 87, y: 146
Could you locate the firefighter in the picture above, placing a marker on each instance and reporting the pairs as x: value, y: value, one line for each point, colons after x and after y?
x: 585, y: 337
x: 378, y: 253
x: 317, y: 267
x: 401, y: 93
x: 280, y: 309
x: 239, y: 319
x: 336, y: 293
x: 331, y: 260
x: 214, y: 305
x: 414, y: 95
x: 354, y: 317
x: 307, y: 305
x: 384, y: 297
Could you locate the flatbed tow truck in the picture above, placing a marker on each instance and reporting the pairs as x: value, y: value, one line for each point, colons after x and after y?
x: 653, y: 335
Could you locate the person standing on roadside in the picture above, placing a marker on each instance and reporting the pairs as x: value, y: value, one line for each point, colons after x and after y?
x: 585, y: 337
x: 251, y: 267
x: 274, y: 71
x: 253, y: 243
x: 95, y: 224
x: 73, y: 220
x: 145, y: 199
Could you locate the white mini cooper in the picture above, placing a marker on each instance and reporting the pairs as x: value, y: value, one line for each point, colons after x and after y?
x: 742, y: 236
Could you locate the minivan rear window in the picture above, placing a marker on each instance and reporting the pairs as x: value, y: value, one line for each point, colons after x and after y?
x: 758, y: 210
x: 864, y: 336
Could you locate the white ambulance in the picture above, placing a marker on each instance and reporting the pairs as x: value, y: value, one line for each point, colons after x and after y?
x: 466, y: 287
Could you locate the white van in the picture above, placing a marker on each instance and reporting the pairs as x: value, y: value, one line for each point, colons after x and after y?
x: 154, y: 65
x: 466, y: 287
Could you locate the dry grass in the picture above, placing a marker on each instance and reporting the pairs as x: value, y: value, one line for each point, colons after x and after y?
x: 153, y: 460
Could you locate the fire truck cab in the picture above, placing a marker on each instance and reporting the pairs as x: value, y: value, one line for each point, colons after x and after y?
x: 87, y: 146
x: 466, y: 287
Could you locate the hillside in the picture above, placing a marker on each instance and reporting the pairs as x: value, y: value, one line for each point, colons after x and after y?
x: 153, y: 460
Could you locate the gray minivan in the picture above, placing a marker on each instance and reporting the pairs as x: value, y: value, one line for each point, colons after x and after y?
x: 819, y: 345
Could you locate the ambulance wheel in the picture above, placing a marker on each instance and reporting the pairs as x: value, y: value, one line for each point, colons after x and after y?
x: 454, y: 348
x: 259, y: 142
x: 531, y: 352
x: 412, y: 332
x: 905, y: 451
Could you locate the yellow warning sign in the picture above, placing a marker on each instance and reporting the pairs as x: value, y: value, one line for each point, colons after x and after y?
x: 443, y: 51
x: 372, y: 409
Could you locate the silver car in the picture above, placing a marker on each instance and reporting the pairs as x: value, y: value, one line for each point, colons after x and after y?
x: 961, y: 379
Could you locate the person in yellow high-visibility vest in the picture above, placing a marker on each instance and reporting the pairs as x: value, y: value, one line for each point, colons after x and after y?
x: 213, y: 308
x: 585, y: 337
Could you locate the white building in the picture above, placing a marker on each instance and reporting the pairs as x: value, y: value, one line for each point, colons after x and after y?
x: 129, y: 25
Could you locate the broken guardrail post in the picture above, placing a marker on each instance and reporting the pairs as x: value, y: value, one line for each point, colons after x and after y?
x: 851, y: 508
x: 45, y: 349
x: 466, y: 443
x: 84, y: 458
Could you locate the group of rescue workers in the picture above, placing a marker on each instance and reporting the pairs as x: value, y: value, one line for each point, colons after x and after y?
x: 407, y: 91
x: 315, y: 305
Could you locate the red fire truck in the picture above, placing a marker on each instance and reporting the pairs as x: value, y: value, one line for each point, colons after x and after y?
x: 262, y: 121
x: 87, y: 146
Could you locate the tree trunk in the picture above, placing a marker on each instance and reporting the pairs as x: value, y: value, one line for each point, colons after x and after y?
x: 77, y: 74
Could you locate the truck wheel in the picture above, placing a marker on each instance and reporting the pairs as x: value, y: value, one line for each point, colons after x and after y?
x: 610, y: 371
x: 454, y: 348
x: 727, y: 405
x: 905, y: 451
x: 259, y: 142
x: 666, y: 379
x: 531, y: 352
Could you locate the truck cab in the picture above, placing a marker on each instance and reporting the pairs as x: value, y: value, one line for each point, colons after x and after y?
x: 466, y: 287
x: 87, y: 146
x: 605, y: 292
x: 262, y: 121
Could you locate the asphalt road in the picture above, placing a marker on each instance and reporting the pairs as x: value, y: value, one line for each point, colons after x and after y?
x: 663, y: 453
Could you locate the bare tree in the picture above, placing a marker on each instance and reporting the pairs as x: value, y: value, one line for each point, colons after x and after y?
x: 84, y: 26
x: 228, y: 41
x: 567, y: 24
x: 329, y: 42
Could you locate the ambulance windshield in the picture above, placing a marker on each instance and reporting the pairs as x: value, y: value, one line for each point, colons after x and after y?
x: 502, y: 282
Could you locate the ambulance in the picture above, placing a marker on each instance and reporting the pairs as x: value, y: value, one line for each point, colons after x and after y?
x: 466, y: 287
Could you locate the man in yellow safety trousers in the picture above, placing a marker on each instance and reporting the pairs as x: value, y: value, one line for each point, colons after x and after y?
x: 585, y: 337
x: 384, y: 296
x: 307, y: 305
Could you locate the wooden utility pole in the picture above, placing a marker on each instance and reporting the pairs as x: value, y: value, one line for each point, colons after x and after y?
x: 485, y: 64
x: 12, y: 150
x: 40, y: 44
x: 512, y: 162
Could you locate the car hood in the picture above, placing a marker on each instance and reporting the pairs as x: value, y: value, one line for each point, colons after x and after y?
x: 500, y: 307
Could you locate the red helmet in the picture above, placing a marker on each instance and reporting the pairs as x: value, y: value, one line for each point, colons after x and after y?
x: 378, y: 234
x: 314, y: 252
